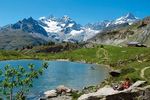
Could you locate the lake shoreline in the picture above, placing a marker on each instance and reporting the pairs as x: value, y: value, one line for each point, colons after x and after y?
x: 82, y: 61
x: 67, y: 60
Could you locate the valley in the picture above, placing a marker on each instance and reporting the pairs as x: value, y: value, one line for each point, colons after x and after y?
x: 122, y: 44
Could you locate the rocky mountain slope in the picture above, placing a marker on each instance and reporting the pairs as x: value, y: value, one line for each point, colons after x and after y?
x: 23, y: 33
x: 137, y: 32
x: 65, y: 29
x: 17, y: 39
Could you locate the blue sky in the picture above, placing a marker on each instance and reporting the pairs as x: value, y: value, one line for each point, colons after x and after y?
x: 82, y: 11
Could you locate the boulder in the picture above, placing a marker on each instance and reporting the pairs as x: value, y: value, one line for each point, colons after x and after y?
x: 115, y: 73
x: 137, y: 93
x: 42, y: 98
x: 108, y: 93
x: 50, y: 93
x: 138, y: 83
x: 145, y: 93
x: 62, y: 97
x: 101, y: 93
x: 62, y: 89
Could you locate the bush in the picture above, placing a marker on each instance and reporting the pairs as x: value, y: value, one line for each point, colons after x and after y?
x: 75, y: 95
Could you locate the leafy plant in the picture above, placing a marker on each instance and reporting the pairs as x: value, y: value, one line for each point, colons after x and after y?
x: 19, y: 79
x: 75, y: 95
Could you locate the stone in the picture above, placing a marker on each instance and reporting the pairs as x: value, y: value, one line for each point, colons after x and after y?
x: 138, y: 83
x: 122, y: 96
x: 107, y: 90
x: 62, y: 97
x: 115, y: 73
x: 62, y: 89
x: 50, y: 93
x: 109, y: 93
x: 42, y: 98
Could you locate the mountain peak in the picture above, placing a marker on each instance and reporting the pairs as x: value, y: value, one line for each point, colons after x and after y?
x: 29, y: 25
x: 128, y: 19
x: 66, y: 18
x: 52, y: 17
x: 42, y: 18
x: 28, y: 20
x: 130, y: 16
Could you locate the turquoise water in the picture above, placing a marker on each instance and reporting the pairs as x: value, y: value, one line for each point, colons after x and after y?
x: 71, y: 74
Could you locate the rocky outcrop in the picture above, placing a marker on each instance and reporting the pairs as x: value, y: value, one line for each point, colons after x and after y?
x: 108, y: 93
x: 62, y: 89
x: 60, y: 93
x: 63, y: 97
x: 136, y: 94
x: 50, y: 93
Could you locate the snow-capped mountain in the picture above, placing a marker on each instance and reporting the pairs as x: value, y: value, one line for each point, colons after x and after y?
x: 97, y: 25
x: 29, y: 25
x: 55, y: 25
x: 65, y: 29
x: 127, y: 19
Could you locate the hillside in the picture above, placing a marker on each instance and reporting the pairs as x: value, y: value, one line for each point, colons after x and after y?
x: 17, y: 39
x: 51, y: 47
x: 138, y: 32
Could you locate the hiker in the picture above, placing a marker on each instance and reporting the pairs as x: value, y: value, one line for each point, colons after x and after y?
x: 125, y: 85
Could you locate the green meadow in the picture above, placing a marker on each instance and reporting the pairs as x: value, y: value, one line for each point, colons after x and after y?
x: 130, y: 60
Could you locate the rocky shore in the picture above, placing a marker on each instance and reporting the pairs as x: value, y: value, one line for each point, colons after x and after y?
x: 60, y: 93
x: 137, y: 91
x: 108, y: 93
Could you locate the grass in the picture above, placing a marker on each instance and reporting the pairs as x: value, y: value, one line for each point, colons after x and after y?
x: 147, y: 74
x: 76, y: 95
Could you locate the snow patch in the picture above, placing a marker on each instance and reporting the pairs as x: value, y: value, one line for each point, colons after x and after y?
x: 74, y: 32
x: 71, y: 25
x: 52, y: 26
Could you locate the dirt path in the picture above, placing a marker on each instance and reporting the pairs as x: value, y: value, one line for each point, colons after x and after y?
x: 102, y: 54
x: 143, y: 71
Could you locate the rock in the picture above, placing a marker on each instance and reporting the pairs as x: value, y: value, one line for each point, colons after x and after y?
x: 122, y: 96
x: 42, y: 98
x: 62, y: 97
x: 115, y: 73
x: 62, y: 89
x: 51, y: 93
x: 146, y: 93
x: 138, y: 83
x: 137, y: 93
x: 108, y: 93
x: 101, y: 93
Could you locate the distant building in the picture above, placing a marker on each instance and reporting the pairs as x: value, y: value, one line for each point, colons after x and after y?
x: 136, y: 44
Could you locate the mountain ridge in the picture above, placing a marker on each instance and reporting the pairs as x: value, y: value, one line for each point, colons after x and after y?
x: 138, y: 32
x: 127, y: 19
x: 58, y: 30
